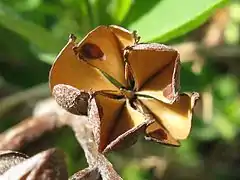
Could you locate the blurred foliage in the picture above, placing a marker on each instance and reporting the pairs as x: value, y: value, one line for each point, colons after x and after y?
x: 32, y: 32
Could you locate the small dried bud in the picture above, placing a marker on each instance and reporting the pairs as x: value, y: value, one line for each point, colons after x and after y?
x: 71, y: 99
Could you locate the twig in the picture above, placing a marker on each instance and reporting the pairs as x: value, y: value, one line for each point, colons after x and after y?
x: 97, y: 161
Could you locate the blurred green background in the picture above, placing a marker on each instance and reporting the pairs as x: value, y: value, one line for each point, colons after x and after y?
x: 206, y: 33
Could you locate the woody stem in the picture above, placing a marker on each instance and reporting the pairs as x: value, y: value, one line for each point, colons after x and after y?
x: 84, y: 135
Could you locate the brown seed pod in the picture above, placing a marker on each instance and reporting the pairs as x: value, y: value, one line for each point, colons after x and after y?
x: 135, y: 81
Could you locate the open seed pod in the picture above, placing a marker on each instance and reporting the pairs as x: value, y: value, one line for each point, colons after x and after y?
x: 135, y: 85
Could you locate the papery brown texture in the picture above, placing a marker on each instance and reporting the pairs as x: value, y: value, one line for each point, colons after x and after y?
x: 48, y: 164
x: 71, y: 99
x: 87, y: 174
x: 135, y: 85
x: 88, y: 138
x: 9, y: 159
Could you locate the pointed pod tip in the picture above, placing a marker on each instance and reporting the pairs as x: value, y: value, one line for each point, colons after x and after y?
x: 136, y: 36
x: 71, y: 99
x: 194, y: 99
x: 195, y: 96
x: 72, y: 37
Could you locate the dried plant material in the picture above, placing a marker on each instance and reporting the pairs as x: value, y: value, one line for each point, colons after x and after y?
x: 125, y: 37
x: 107, y: 117
x: 164, y: 85
x: 175, y: 117
x: 86, y: 174
x: 47, y: 116
x: 91, y: 51
x: 71, y: 99
x: 28, y: 130
x: 49, y: 164
x: 135, y: 86
x: 155, y: 63
x: 9, y: 159
x: 130, y: 122
x: 99, y: 166
x: 111, y: 63
x: 156, y: 132
x: 77, y: 73
x: 129, y: 76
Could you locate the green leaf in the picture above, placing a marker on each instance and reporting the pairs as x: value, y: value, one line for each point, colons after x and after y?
x: 28, y: 5
x: 47, y: 57
x: 1, y: 81
x: 224, y: 126
x: 170, y: 18
x: 100, y: 11
x: 133, y: 171
x: 226, y: 86
x: 186, y: 76
x: 137, y: 10
x: 119, y: 9
x: 36, y: 35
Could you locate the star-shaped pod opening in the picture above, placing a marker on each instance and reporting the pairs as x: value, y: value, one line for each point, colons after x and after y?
x: 118, y: 119
x: 135, y: 86
x: 155, y: 69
